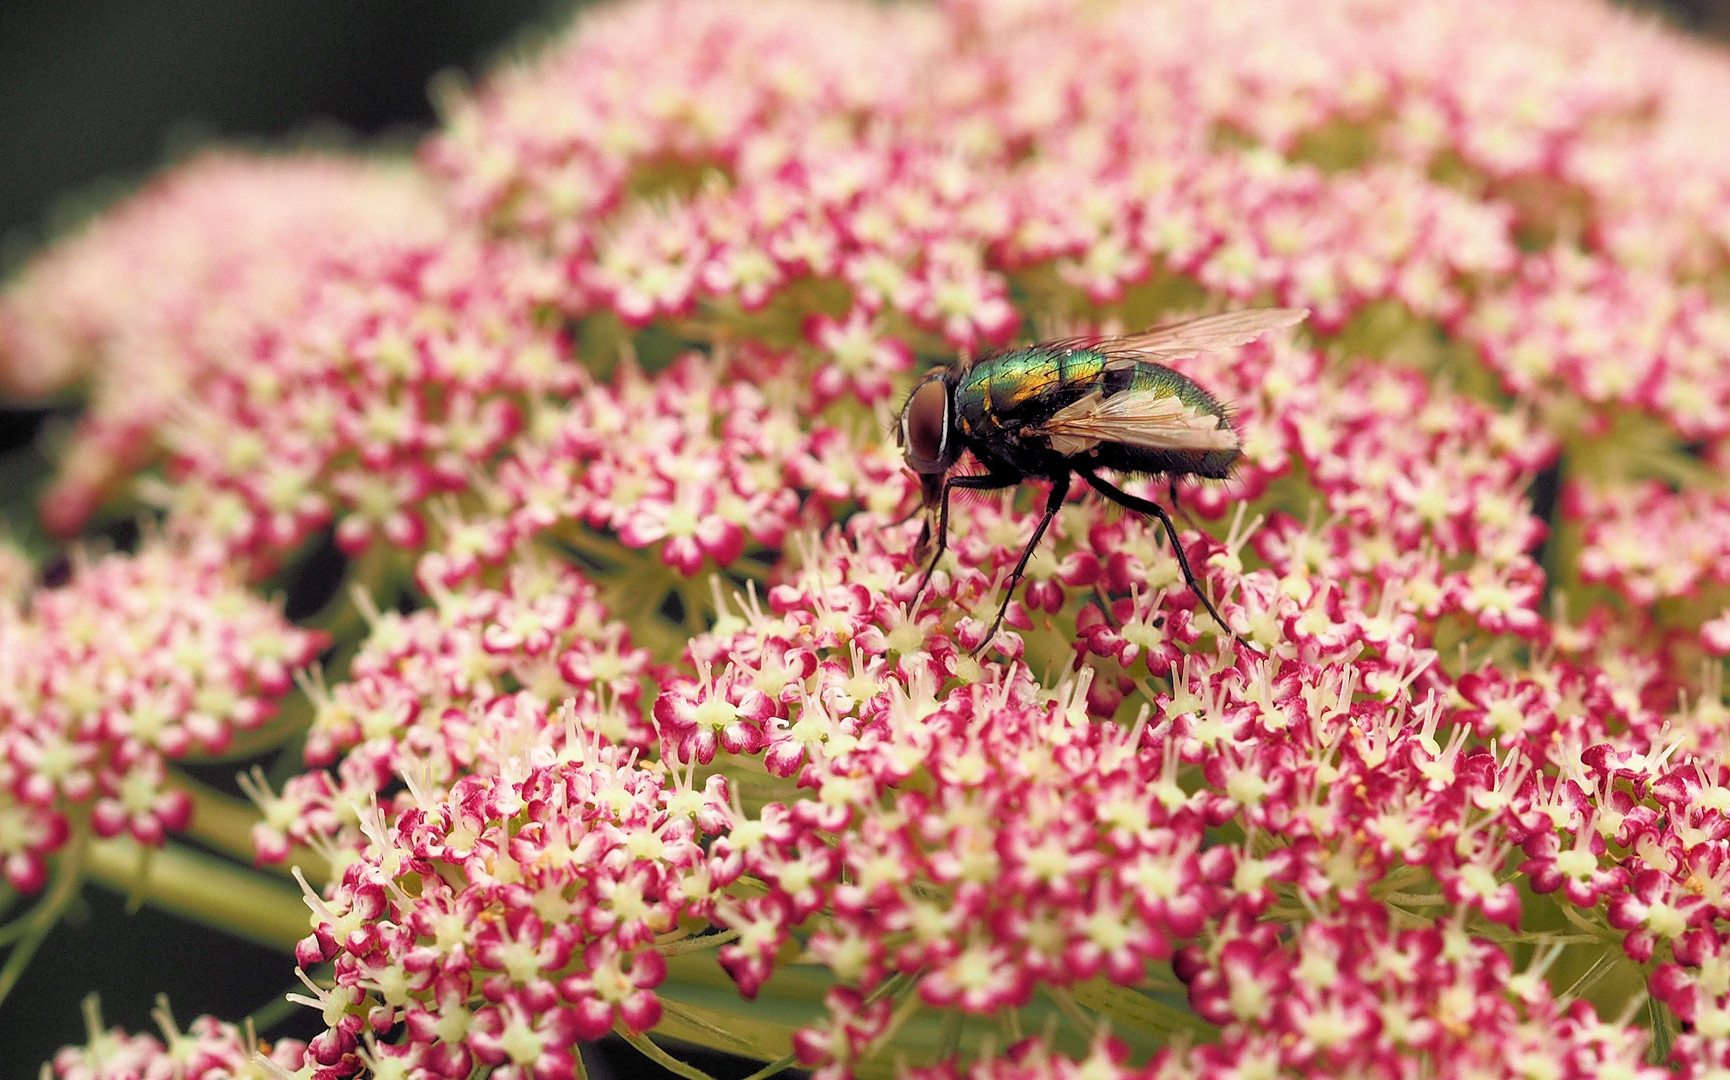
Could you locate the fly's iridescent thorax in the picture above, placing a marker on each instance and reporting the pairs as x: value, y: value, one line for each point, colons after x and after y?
x: 926, y: 432
x: 1026, y: 384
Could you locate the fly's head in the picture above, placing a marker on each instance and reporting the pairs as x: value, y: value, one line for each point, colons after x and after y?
x: 926, y: 432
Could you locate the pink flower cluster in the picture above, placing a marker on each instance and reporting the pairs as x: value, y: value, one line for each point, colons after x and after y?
x: 209, y: 1049
x: 405, y: 374
x: 666, y: 739
x: 1016, y: 172
x: 836, y: 689
x: 498, y: 942
x: 464, y: 686
x: 173, y: 287
x: 1622, y: 520
x: 137, y: 661
x: 697, y: 462
x: 1595, y: 333
x: 1043, y: 848
x: 1048, y: 179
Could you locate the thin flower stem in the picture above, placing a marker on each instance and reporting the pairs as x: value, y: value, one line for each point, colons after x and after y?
x: 1598, y: 933
x: 778, y: 1065
x: 904, y: 1011
x: 893, y: 986
x: 275, y: 1011
x: 1130, y: 1010
x: 592, y: 545
x: 1665, y: 1028
x: 293, y: 716
x: 1600, y: 967
x: 762, y: 1030
x: 949, y: 1035
x: 1088, y: 1026
x: 696, y: 943
x: 634, y: 582
x: 654, y: 1053
x: 751, y: 571
x: 27, y: 933
x: 1561, y: 939
x: 1398, y: 878
x: 1415, y: 899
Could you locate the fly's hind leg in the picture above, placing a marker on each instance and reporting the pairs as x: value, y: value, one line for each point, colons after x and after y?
x: 1144, y: 506
x: 1171, y: 491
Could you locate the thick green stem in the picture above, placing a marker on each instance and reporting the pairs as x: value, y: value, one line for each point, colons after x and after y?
x: 221, y: 821
x: 203, y: 888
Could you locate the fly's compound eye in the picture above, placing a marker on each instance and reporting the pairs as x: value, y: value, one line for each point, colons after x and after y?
x: 925, y: 428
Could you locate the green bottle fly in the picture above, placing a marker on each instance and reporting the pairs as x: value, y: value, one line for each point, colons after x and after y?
x: 1056, y: 409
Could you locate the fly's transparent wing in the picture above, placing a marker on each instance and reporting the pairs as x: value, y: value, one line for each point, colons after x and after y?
x: 1158, y: 421
x: 1211, y: 333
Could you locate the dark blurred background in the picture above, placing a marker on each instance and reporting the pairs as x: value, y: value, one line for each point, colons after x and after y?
x: 94, y: 96
x: 1707, y: 18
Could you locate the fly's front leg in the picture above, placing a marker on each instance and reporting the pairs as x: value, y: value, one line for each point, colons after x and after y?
x: 983, y: 482
x: 923, y: 544
x: 1053, y: 503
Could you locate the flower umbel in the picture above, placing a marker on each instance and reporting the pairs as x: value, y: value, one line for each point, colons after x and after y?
x: 638, y: 722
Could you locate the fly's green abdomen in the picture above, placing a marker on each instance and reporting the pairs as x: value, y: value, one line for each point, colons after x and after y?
x: 1159, y: 381
x: 1148, y: 377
